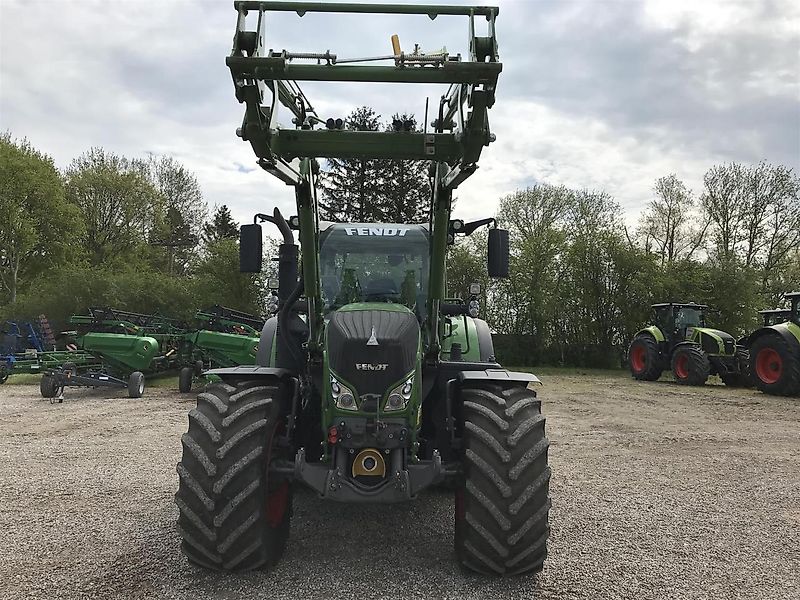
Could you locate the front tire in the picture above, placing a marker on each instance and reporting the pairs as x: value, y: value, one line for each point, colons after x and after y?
x: 644, y: 358
x: 503, y: 503
x: 185, y: 378
x: 136, y: 385
x: 48, y: 386
x: 690, y: 366
x: 774, y: 366
x: 233, y: 515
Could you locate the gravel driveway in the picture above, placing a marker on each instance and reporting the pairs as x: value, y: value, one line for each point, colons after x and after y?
x: 659, y: 491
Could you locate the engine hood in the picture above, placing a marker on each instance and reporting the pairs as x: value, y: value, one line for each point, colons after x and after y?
x: 372, y: 345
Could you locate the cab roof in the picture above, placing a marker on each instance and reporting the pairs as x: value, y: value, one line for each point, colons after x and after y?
x: 679, y: 305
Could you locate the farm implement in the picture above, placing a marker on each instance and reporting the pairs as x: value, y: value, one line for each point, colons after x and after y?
x: 23, y: 349
x: 227, y: 338
x: 125, y: 347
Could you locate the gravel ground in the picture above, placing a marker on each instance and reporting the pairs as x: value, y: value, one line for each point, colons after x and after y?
x: 659, y: 491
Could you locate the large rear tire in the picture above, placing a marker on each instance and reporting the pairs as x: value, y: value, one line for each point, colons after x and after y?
x: 233, y: 515
x: 503, y: 503
x: 644, y: 358
x: 775, y: 366
x: 690, y: 366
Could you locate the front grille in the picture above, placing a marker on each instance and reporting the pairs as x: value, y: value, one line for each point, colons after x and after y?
x: 372, y: 368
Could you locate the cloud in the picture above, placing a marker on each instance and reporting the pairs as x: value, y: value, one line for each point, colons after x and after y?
x: 604, y: 95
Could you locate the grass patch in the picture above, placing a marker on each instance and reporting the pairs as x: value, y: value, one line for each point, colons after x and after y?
x: 572, y: 371
x: 24, y: 379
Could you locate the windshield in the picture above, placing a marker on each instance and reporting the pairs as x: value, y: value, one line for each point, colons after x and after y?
x: 688, y: 317
x: 374, y: 263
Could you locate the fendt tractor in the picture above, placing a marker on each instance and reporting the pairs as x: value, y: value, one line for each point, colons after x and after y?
x: 679, y: 340
x: 775, y: 350
x: 371, y: 385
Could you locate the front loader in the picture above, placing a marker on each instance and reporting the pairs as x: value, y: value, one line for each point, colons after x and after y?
x: 369, y: 387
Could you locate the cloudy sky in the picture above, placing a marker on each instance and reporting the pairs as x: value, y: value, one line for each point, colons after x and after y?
x: 602, y: 94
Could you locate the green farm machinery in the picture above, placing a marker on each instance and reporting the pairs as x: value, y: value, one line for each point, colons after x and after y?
x: 124, y: 348
x: 680, y: 341
x: 369, y: 385
x: 115, y: 348
x: 226, y: 338
x: 775, y: 350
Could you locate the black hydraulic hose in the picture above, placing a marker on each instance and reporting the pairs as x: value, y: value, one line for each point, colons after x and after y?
x: 283, y: 322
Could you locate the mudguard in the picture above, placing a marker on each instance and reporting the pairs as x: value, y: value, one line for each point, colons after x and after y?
x: 499, y: 375
x: 782, y: 329
x: 265, y: 356
x: 654, y: 331
x: 249, y: 371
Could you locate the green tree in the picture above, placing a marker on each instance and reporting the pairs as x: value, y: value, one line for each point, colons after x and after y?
x: 37, y: 226
x: 222, y: 226
x: 116, y: 201
x: 218, y: 280
x: 667, y: 225
x: 406, y: 191
x: 350, y: 187
x: 179, y: 213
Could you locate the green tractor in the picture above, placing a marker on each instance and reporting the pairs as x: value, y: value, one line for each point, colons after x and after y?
x: 775, y: 350
x: 680, y: 341
x: 370, y: 386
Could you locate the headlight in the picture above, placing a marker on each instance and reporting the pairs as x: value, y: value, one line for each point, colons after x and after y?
x: 343, y: 395
x: 398, y: 398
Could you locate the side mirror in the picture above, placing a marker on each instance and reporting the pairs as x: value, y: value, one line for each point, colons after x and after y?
x: 498, y: 253
x: 250, y: 251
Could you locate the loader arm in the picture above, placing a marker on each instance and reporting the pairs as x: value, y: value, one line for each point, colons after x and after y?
x: 265, y: 82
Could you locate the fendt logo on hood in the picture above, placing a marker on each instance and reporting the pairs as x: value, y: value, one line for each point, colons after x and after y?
x: 379, y: 231
x: 371, y: 366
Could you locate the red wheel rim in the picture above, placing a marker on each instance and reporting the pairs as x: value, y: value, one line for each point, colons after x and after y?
x: 276, y: 504
x: 638, y: 358
x: 682, y: 366
x: 769, y: 366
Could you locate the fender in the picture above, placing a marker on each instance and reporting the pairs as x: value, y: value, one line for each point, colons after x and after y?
x: 781, y: 330
x: 265, y: 356
x: 250, y: 372
x: 685, y: 344
x: 654, y: 331
x: 499, y: 375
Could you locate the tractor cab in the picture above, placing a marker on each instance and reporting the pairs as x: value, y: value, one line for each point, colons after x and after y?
x: 794, y: 310
x: 677, y: 321
x: 385, y: 263
x: 774, y: 316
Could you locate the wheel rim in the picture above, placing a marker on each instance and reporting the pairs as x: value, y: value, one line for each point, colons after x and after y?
x: 769, y: 366
x: 682, y: 366
x: 638, y: 358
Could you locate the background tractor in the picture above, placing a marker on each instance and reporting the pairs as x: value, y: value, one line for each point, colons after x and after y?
x: 370, y: 384
x: 775, y: 350
x: 679, y: 340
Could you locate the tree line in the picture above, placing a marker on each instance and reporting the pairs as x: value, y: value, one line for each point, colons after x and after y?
x: 136, y: 234
x: 582, y: 282
x: 107, y: 230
